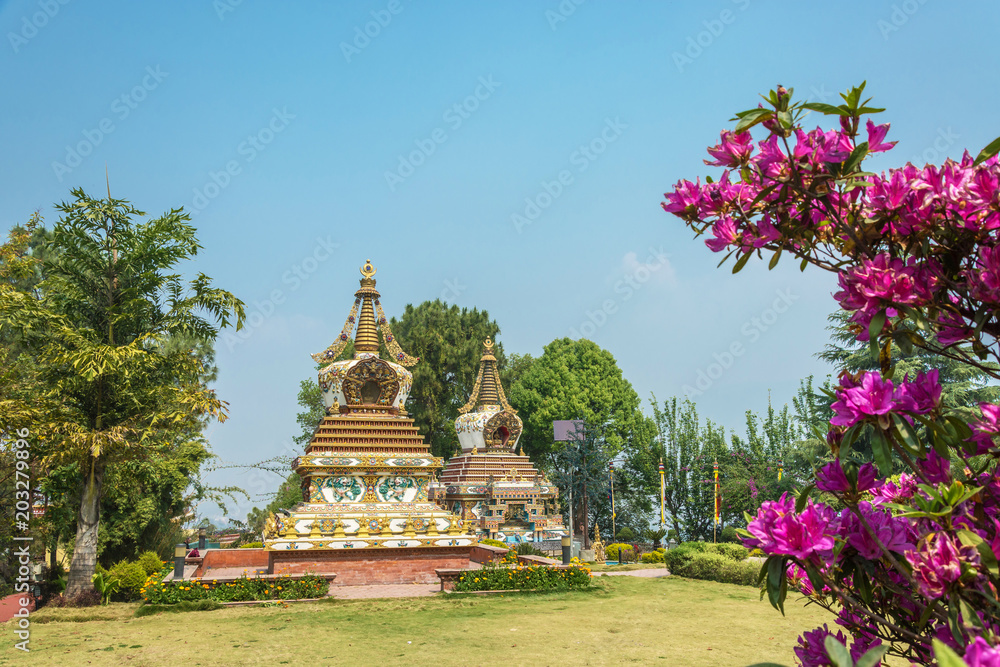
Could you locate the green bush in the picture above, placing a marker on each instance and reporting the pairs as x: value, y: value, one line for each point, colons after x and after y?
x: 241, y: 590
x: 150, y: 562
x: 732, y: 551
x: 653, y: 557
x: 716, y: 567
x: 758, y: 553
x: 611, y: 551
x: 730, y: 536
x: 493, y: 577
x: 528, y: 549
x: 251, y: 545
x: 493, y: 543
x: 131, y: 578
x: 626, y: 534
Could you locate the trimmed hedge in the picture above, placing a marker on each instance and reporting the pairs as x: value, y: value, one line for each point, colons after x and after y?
x: 716, y: 567
x: 652, y: 557
x: 150, y: 562
x: 494, y: 543
x: 131, y: 579
x: 611, y: 551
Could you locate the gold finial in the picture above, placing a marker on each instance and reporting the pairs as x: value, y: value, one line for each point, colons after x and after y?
x: 368, y: 270
x: 488, y: 344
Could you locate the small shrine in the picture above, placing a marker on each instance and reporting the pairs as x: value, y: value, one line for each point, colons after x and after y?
x: 367, y: 470
x: 491, y: 483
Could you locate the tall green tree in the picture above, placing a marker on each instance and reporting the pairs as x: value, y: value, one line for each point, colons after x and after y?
x: 449, y: 342
x: 100, y: 323
x: 578, y: 380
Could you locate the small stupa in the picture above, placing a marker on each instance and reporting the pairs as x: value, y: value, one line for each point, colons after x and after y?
x: 491, y: 483
x: 367, y: 470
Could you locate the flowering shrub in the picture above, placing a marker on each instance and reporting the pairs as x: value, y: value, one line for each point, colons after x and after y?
x: 652, y: 557
x: 494, y: 577
x: 612, y: 551
x: 908, y: 566
x: 156, y: 591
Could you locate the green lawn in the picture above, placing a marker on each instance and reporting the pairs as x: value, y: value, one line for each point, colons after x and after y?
x: 667, y: 621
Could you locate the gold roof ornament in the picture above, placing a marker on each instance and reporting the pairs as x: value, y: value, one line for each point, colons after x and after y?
x: 370, y: 323
x: 488, y: 390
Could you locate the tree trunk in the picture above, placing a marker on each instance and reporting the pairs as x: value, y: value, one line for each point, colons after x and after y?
x: 81, y: 569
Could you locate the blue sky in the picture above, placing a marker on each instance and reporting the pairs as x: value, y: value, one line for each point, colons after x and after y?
x: 508, y: 156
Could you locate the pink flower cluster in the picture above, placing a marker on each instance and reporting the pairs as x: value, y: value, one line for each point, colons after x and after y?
x: 883, y: 283
x: 955, y: 207
x: 875, y: 398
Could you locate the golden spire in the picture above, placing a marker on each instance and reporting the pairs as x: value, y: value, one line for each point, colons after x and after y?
x: 488, y: 389
x: 366, y: 339
x: 370, y: 323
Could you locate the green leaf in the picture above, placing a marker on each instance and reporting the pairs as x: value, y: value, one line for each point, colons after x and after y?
x: 882, y: 452
x: 741, y: 262
x: 945, y: 656
x: 875, y: 326
x: 800, y: 502
x: 991, y: 149
x: 775, y: 578
x: 774, y: 260
x: 828, y: 109
x: 872, y: 656
x: 855, y: 158
x: 838, y: 653
x: 753, y: 117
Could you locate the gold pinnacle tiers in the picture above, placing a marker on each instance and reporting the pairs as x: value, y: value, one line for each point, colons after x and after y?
x: 367, y: 471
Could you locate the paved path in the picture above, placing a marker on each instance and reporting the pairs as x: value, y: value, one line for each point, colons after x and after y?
x: 383, y: 591
x: 651, y: 572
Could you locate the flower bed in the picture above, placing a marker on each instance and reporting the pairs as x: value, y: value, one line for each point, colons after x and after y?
x: 524, y: 577
x: 157, y: 591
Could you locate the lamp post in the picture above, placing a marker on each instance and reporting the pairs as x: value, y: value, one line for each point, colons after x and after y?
x: 663, y: 516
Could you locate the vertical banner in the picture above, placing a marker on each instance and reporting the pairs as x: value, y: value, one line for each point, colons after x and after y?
x: 718, y: 513
x: 611, y: 496
x: 663, y: 518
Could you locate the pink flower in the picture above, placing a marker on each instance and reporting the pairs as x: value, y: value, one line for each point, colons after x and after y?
x: 936, y: 468
x: 733, y: 150
x: 811, y: 651
x: 777, y: 529
x: 935, y: 565
x: 684, y: 200
x: 924, y: 391
x: 882, y: 283
x: 892, y: 532
x: 876, y: 133
x: 984, y: 281
x: 981, y: 654
x: 866, y: 477
x: 874, y: 397
x: 986, y: 428
x: 831, y: 478
x: 725, y: 234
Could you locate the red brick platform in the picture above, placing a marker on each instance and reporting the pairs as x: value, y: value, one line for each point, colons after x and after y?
x: 355, y: 567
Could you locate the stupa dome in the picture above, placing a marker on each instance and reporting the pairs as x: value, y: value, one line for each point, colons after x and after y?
x: 366, y: 379
x: 488, y: 421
